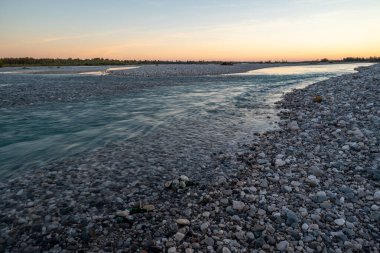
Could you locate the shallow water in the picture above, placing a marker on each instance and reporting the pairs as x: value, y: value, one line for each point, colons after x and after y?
x: 170, y: 125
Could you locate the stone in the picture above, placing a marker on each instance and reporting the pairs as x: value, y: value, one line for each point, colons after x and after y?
x: 313, y: 180
x: 183, y: 222
x: 293, y: 125
x: 305, y: 227
x: 204, y: 226
x: 168, y: 184
x: 179, y: 236
x: 149, y: 208
x: 291, y: 218
x: 124, y: 213
x: 340, y: 222
x: 282, y: 246
x: 288, y: 188
x: 314, y: 170
x: 320, y: 197
x: 238, y: 205
x: 172, y: 250
x: 209, y: 241
x: 226, y: 250
x: 376, y: 196
x: 184, y: 178
x: 279, y: 163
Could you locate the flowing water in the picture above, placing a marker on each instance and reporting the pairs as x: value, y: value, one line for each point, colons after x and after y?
x: 166, y: 126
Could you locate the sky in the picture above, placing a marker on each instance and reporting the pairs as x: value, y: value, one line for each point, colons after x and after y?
x: 238, y: 30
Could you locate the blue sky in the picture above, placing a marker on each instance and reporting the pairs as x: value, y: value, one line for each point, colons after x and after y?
x: 208, y: 29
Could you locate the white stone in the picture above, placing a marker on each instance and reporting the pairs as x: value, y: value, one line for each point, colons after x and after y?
x: 305, y: 226
x: 172, y: 250
x: 293, y: 125
x: 123, y: 213
x: 280, y: 163
x: 184, y: 178
x: 340, y: 222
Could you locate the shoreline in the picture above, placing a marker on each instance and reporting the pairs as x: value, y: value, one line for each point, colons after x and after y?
x: 294, y: 193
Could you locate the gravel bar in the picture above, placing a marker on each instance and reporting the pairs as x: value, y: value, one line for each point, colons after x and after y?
x: 312, y: 186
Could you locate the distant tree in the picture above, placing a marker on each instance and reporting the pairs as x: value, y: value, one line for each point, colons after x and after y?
x: 324, y: 60
x: 1, y: 63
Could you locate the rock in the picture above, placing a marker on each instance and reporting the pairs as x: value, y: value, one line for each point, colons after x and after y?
x: 182, y: 184
x: 189, y: 250
x: 238, y: 205
x: 183, y: 222
x: 320, y: 197
x: 314, y: 170
x: 339, y: 236
x: 313, y: 180
x: 317, y: 99
x: 374, y: 207
x: 149, y: 208
x: 282, y: 246
x: 226, y: 250
x: 184, y: 178
x: 376, y: 196
x: 250, y: 235
x: 288, y: 188
x: 124, y: 213
x: 279, y: 163
x: 204, y: 226
x: 172, y: 250
x: 209, y: 241
x: 179, y: 236
x: 305, y: 227
x: 168, y: 184
x: 293, y: 125
x: 340, y: 222
x: 291, y: 218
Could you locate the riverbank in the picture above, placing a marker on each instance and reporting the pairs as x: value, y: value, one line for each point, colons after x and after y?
x: 311, y: 186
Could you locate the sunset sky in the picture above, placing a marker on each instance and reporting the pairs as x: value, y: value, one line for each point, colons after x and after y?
x: 241, y: 30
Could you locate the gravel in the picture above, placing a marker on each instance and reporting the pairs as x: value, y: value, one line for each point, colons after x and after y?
x: 332, y: 205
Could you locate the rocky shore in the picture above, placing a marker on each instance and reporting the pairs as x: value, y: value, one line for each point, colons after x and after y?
x: 312, y: 186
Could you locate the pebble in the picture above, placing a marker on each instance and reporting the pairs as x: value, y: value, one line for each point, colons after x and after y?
x: 376, y: 196
x: 238, y: 205
x: 293, y: 125
x: 209, y: 241
x: 340, y: 222
x: 179, y: 236
x: 303, y: 177
x: 226, y: 250
x: 282, y: 246
x: 183, y: 222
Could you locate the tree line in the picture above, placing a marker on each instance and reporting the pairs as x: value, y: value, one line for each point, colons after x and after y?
x: 29, y: 61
